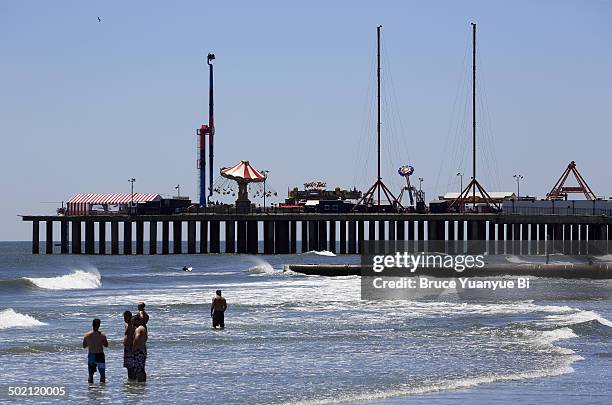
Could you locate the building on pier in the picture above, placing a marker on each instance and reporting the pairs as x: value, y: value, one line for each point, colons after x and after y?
x: 123, y: 203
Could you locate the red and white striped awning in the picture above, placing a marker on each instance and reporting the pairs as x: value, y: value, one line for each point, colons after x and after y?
x: 113, y: 198
x: 243, y: 171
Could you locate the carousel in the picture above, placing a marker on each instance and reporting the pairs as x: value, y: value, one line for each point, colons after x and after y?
x: 243, y: 174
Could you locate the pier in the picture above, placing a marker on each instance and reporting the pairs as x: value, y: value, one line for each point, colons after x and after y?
x: 341, y: 233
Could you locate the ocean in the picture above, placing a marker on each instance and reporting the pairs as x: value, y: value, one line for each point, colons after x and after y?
x: 291, y: 338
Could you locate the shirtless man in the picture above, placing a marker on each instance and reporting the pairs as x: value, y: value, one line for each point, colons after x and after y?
x: 95, y: 341
x: 217, y: 310
x: 140, y: 348
x: 128, y: 342
x: 142, y: 313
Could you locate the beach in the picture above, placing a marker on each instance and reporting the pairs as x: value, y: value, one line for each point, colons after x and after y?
x: 291, y: 338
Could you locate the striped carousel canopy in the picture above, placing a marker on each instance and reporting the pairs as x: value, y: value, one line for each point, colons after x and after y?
x: 243, y: 171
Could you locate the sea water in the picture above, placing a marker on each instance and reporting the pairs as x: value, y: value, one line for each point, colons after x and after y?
x: 291, y: 338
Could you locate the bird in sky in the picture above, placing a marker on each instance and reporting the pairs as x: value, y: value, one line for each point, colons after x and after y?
x: 99, y: 19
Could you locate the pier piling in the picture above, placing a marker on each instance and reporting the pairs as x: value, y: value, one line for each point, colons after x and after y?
x: 35, y: 237
x: 89, y: 238
x: 114, y: 237
x: 102, y: 237
x: 49, y: 237
x: 191, y: 237
x: 76, y: 237
x: 215, y: 236
x: 127, y: 237
x: 139, y: 237
x: 153, y: 237
x: 203, y: 237
x: 230, y: 237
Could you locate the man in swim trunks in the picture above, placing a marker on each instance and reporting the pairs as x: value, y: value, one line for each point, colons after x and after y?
x: 217, y: 310
x: 95, y: 341
x: 140, y: 348
x: 128, y: 342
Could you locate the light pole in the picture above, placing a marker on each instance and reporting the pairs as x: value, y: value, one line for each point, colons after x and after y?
x: 420, y: 184
x: 518, y: 178
x: 132, y: 180
x: 178, y: 190
x: 265, y: 173
x: 460, y: 181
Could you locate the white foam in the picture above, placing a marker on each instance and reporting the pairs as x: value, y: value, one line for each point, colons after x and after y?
x: 551, y: 336
x: 517, y: 260
x: 579, y: 317
x: 262, y: 267
x: 605, y: 258
x: 11, y: 319
x: 470, y: 382
x: 77, y: 280
x: 320, y: 253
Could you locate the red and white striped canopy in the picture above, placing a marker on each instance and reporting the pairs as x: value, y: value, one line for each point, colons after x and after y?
x: 113, y: 198
x: 243, y: 171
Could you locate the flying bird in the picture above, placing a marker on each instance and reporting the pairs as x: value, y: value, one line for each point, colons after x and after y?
x: 99, y: 19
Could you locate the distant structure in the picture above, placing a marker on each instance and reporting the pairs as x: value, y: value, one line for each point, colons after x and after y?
x: 315, y: 197
x: 474, y: 188
x: 368, y: 198
x: 201, y: 133
x: 560, y: 191
x: 123, y: 203
x: 406, y: 171
x: 243, y: 174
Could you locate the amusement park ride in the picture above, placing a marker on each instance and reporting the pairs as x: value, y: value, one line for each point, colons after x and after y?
x: 368, y: 198
x: 201, y: 133
x: 413, y: 194
x: 473, y: 186
x: 560, y: 191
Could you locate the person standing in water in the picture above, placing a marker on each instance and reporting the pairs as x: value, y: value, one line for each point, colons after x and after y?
x: 217, y: 310
x: 140, y: 348
x: 142, y: 313
x: 128, y: 345
x: 95, y: 341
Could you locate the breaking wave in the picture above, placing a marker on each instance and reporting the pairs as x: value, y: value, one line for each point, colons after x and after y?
x: 11, y: 319
x: 320, y: 253
x: 77, y: 280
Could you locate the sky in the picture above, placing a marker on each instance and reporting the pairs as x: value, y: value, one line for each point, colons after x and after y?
x: 86, y: 105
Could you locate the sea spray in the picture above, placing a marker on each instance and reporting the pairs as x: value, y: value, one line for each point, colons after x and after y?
x: 261, y: 266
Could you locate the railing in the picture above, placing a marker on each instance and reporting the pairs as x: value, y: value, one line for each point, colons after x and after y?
x: 559, y: 208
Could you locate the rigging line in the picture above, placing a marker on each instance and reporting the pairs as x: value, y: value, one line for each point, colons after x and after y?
x: 365, y: 133
x: 461, y: 135
x: 391, y: 119
x: 487, y: 121
x: 488, y: 138
x: 490, y: 128
x: 392, y: 146
x: 452, y: 120
x: 395, y: 101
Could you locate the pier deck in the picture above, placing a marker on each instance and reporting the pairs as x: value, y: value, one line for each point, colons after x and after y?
x: 284, y: 233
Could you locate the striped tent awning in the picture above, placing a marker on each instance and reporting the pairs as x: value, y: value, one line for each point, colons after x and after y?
x: 113, y: 198
x: 81, y: 204
x: 243, y: 171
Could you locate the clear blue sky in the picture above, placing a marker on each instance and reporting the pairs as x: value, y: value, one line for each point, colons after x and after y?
x: 85, y: 105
